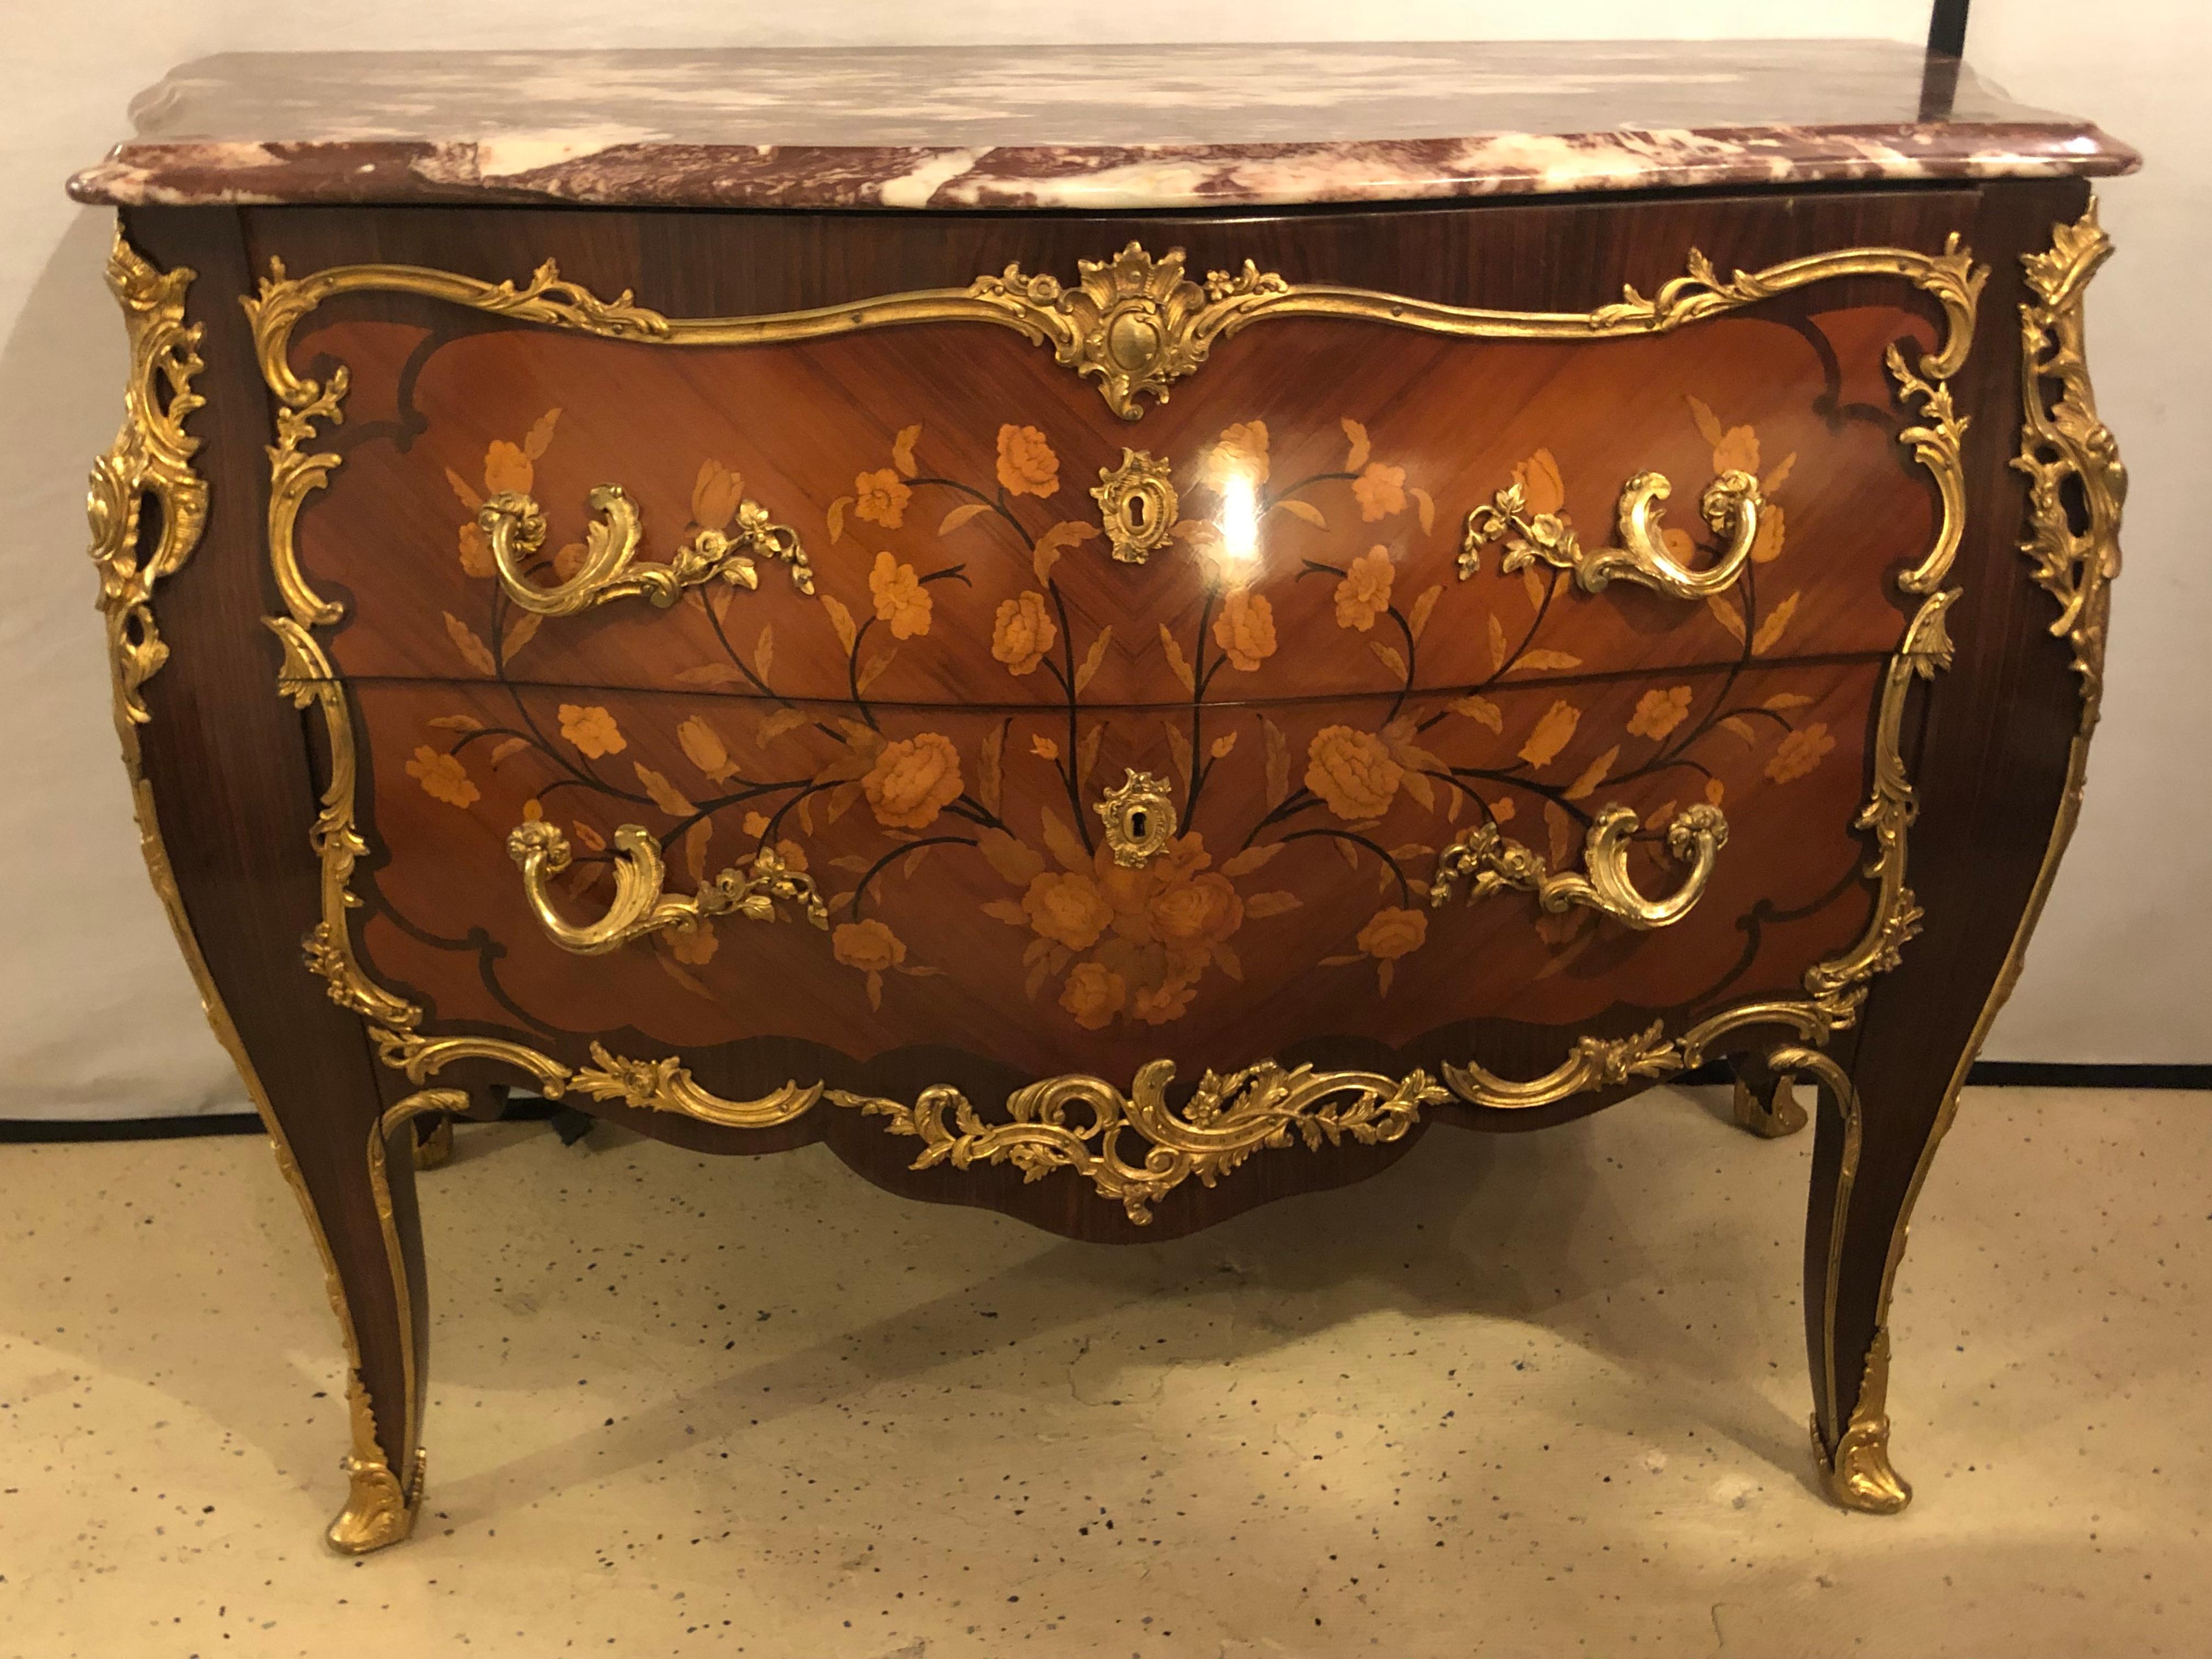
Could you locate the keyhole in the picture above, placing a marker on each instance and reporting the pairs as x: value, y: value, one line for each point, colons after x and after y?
x: 1136, y: 824
x: 1136, y: 511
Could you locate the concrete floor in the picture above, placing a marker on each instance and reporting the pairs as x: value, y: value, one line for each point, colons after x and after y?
x: 1536, y: 1395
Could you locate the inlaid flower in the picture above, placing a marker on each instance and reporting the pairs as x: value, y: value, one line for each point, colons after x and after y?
x: 507, y: 468
x: 715, y: 494
x: 1238, y: 457
x: 1543, y: 492
x: 1658, y: 712
x: 1552, y: 730
x: 1380, y: 490
x: 475, y: 551
x: 1364, y: 592
x: 1027, y: 466
x: 1391, y: 933
x: 869, y: 945
x: 443, y: 777
x: 901, y: 599
x: 881, y: 498
x: 913, y: 780
x: 1194, y: 913
x: 695, y: 944
x: 1352, y: 772
x: 591, y: 729
x: 1245, y: 629
x: 791, y: 855
x: 1094, y: 993
x: 1800, y: 752
x: 1022, y: 632
x: 1068, y: 909
x: 1156, y: 1005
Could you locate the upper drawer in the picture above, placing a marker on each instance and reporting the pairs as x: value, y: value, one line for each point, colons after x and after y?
x: 1315, y: 512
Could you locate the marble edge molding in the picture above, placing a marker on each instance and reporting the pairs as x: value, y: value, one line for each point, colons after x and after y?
x: 554, y: 168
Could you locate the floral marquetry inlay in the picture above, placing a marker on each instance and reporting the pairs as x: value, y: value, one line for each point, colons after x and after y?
x: 1022, y: 806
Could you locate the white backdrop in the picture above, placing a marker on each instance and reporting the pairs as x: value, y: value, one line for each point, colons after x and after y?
x: 98, y: 1018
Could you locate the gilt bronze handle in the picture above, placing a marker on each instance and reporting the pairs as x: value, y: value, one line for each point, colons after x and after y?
x: 1730, y: 504
x: 1484, y: 860
x: 640, y: 906
x: 514, y: 524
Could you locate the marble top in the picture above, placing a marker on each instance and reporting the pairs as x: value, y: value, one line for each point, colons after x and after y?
x: 1070, y: 127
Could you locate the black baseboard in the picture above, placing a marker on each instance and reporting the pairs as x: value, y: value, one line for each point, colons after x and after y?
x: 1986, y: 1074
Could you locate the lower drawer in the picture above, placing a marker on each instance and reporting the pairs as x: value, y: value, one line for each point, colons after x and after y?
x: 971, y: 898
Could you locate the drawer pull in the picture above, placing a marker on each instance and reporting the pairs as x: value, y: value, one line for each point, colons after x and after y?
x: 515, y: 526
x: 639, y: 907
x: 1488, y: 861
x: 1730, y: 504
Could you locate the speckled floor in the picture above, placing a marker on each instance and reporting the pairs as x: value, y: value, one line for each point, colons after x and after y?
x: 1533, y: 1394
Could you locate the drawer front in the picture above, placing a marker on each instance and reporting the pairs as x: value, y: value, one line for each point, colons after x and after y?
x: 1214, y: 674
x: 1324, y: 494
x: 970, y: 904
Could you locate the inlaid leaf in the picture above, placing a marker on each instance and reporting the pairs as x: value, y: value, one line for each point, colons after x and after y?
x: 1775, y: 479
x: 1770, y: 631
x: 1417, y: 619
x: 1219, y: 748
x: 873, y: 670
x: 508, y: 748
x: 1593, y: 775
x: 519, y: 635
x: 1250, y: 859
x: 682, y: 975
x: 1715, y: 790
x: 1766, y: 545
x: 469, y: 499
x: 1417, y: 785
x: 1455, y: 804
x: 835, y: 515
x: 841, y: 620
x: 902, y: 449
x: 912, y: 862
x: 1482, y: 711
x: 712, y: 674
x: 457, y: 723
x: 1178, y: 749
x: 764, y: 650
x: 1226, y: 960
x: 472, y: 649
x: 1389, y: 657
x: 1725, y: 612
x: 1008, y: 911
x: 665, y: 795
x: 1016, y: 861
x: 1067, y: 534
x: 1535, y: 586
x: 1356, y: 436
x: 1349, y: 851
x: 1553, y: 732
x: 773, y: 726
x: 1305, y: 510
x: 694, y: 851
x: 1738, y: 726
x: 1708, y: 424
x: 1176, y: 664
x: 839, y: 801
x: 540, y: 435
x: 1500, y: 650
x: 1087, y: 669
x: 1261, y: 906
x: 961, y: 514
x: 1425, y: 507
x: 1786, y: 700
x: 990, y: 767
x: 1549, y: 659
x: 1063, y: 843
x: 1278, y: 762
